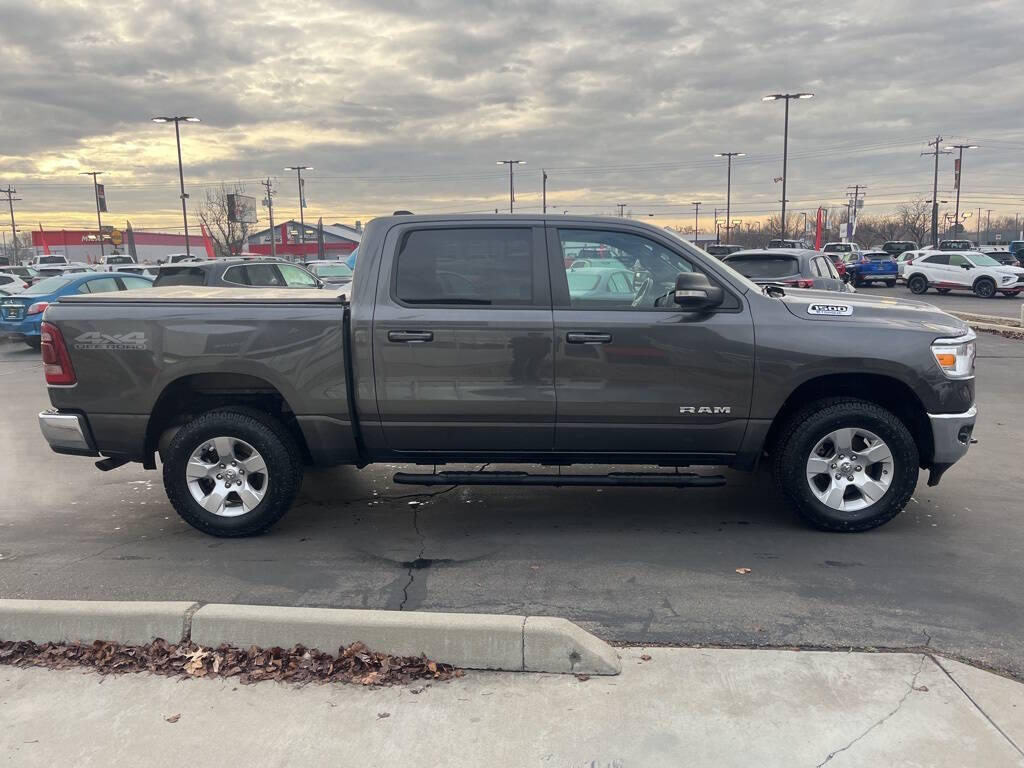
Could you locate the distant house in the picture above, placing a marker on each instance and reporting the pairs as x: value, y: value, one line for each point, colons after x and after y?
x: 291, y: 242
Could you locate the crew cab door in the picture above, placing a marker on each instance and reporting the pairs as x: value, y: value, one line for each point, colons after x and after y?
x: 462, y: 339
x: 637, y: 374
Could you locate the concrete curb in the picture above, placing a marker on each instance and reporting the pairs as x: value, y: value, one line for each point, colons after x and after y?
x: 471, y: 641
x: 82, y: 621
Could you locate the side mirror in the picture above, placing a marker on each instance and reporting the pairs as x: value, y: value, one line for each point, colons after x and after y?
x: 966, y: 266
x: 695, y: 293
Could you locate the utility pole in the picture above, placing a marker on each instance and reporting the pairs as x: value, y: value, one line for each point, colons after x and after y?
x: 302, y: 198
x: 10, y: 191
x: 935, y: 186
x: 511, y: 184
x: 544, y: 190
x: 851, y: 212
x: 696, y: 209
x: 988, y: 223
x: 728, y: 186
x: 622, y: 209
x: 96, y: 194
x: 269, y: 202
x: 787, y: 97
x: 978, y: 242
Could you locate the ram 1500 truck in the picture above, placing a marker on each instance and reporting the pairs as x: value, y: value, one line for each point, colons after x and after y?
x: 468, y: 339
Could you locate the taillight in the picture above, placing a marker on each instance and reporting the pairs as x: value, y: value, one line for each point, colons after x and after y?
x: 56, y: 361
x: 37, y: 308
x: 801, y: 283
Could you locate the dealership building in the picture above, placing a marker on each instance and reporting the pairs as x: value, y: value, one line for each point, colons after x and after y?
x: 339, y: 240
x: 83, y: 244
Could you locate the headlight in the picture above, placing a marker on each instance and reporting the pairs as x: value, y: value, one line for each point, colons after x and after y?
x: 956, y: 356
x: 1009, y: 278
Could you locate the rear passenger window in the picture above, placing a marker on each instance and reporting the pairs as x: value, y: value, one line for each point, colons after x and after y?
x: 940, y: 258
x: 258, y: 274
x: 466, y: 266
x: 103, y: 285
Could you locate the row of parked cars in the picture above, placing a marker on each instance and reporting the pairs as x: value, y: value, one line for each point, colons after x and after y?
x: 843, y: 266
x: 26, y: 291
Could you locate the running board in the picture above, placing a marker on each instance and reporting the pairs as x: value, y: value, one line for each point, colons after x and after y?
x: 621, y: 479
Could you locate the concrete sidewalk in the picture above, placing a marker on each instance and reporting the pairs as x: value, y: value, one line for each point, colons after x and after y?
x: 692, y: 707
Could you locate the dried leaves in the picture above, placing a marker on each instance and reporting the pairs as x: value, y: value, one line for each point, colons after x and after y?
x: 355, y: 664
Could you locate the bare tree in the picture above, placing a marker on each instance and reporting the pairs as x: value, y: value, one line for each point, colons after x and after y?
x: 229, y: 237
x: 916, y: 219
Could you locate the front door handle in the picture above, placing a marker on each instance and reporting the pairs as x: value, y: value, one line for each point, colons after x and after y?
x: 588, y: 337
x: 410, y: 336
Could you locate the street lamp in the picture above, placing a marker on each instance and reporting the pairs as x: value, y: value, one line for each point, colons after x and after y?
x: 728, y: 186
x: 181, y: 174
x: 785, y: 144
x: 302, y: 198
x: 96, y: 195
x: 511, y: 188
x: 959, y: 172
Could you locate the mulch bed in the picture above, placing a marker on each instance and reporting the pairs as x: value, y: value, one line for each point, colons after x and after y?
x: 355, y: 664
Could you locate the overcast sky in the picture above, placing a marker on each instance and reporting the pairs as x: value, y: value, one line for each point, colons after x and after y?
x: 406, y: 104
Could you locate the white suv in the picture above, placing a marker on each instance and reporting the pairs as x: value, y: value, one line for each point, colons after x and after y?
x: 947, y: 271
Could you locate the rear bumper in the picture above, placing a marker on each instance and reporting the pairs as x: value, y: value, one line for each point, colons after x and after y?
x: 951, y: 435
x: 67, y: 433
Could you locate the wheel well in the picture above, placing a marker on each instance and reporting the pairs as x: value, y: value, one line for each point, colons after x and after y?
x: 885, y: 391
x: 190, y: 396
x: 985, y: 277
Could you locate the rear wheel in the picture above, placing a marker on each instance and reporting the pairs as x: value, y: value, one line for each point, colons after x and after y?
x: 232, y: 472
x: 985, y: 288
x: 918, y: 284
x: 846, y: 464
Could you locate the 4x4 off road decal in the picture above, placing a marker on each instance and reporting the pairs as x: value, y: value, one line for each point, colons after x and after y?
x: 829, y: 309
x: 97, y: 340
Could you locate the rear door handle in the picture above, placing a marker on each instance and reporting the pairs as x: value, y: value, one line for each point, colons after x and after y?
x: 588, y: 337
x: 410, y: 336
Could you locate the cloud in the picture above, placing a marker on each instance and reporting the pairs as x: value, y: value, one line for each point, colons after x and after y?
x: 406, y: 103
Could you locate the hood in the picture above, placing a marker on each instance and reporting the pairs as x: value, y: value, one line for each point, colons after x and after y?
x: 859, y: 308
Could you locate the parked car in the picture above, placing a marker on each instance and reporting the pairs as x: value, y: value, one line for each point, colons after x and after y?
x: 11, y: 283
x: 56, y: 270
x: 49, y: 258
x: 237, y: 273
x: 956, y: 245
x: 24, y: 272
x: 871, y: 267
x: 947, y: 271
x: 800, y: 244
x: 600, y: 285
x: 113, y: 262
x: 21, y: 315
x: 331, y: 272
x: 895, y: 247
x: 722, y: 249
x: 1000, y: 253
x: 842, y: 248
x: 905, y: 258
x: 793, y: 266
x: 700, y: 367
x: 1016, y: 247
x: 146, y: 270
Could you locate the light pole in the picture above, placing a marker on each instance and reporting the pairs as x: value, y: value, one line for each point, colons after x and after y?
x: 696, y: 209
x: 302, y: 198
x: 787, y: 97
x: 511, y: 187
x: 181, y: 173
x: 728, y: 187
x: 96, y: 194
x: 959, y: 174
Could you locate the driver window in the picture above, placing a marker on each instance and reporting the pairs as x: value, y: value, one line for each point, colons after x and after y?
x: 617, y: 270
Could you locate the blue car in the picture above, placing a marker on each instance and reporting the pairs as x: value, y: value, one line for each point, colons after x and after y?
x: 22, y: 313
x: 871, y: 266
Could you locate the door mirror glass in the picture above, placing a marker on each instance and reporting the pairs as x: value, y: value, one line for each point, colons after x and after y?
x: 695, y: 293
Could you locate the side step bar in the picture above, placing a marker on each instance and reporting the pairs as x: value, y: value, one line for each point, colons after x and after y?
x: 630, y: 479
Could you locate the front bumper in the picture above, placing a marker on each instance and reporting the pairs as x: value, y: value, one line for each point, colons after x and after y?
x: 951, y: 435
x: 67, y: 433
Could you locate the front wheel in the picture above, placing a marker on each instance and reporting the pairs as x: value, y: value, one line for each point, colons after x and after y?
x: 846, y: 464
x: 232, y: 472
x: 918, y: 284
x: 985, y: 288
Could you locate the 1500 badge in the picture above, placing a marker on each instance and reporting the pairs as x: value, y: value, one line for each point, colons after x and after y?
x: 97, y: 340
x: 830, y: 309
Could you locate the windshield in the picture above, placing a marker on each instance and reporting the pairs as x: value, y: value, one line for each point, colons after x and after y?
x: 49, y: 285
x: 981, y: 260
x: 331, y: 270
x: 764, y: 266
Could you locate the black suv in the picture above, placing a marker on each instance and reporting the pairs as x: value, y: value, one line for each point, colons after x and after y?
x: 895, y: 247
x: 235, y: 273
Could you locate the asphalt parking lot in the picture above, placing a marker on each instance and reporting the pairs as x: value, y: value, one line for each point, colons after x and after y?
x: 642, y: 566
x: 956, y: 301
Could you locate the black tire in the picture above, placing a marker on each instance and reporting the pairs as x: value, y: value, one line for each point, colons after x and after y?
x: 918, y: 284
x: 810, y: 424
x: 264, y: 433
x: 35, y: 343
x: 985, y: 288
x: 857, y: 281
x: 943, y: 290
x: 890, y: 283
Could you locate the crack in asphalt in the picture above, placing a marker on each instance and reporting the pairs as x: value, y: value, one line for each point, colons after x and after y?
x: 910, y: 689
x: 418, y: 562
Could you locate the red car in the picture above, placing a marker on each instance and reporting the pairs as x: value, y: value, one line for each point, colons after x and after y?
x: 839, y: 264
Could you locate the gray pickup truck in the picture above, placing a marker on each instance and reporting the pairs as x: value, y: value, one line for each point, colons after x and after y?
x: 474, y: 339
